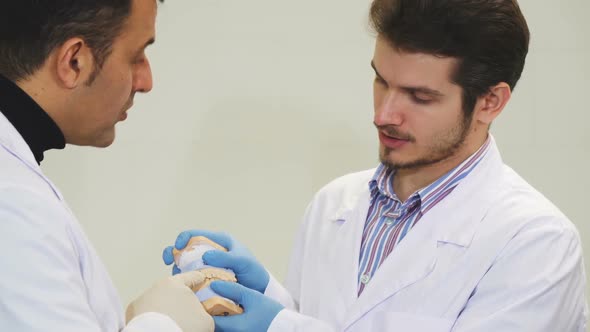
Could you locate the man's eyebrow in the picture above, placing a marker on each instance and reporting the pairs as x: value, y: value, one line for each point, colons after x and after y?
x: 375, y: 69
x: 424, y: 90
x: 148, y: 43
x: 419, y: 89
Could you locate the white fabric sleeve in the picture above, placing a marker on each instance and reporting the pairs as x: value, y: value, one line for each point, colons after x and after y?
x: 40, y: 285
x: 291, y: 321
x: 152, y: 322
x: 277, y: 292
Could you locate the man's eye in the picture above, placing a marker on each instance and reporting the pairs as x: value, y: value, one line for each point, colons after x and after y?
x: 418, y: 99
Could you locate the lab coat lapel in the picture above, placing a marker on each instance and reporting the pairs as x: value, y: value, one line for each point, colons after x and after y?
x: 412, y: 260
x: 343, y: 253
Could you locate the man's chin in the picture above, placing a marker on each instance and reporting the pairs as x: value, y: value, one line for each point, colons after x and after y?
x: 104, y: 144
x: 102, y: 141
x: 105, y: 141
x: 396, y: 162
x: 392, y: 159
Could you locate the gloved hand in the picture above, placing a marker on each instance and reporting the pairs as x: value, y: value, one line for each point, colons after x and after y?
x: 174, y: 297
x: 259, y: 310
x: 248, y: 271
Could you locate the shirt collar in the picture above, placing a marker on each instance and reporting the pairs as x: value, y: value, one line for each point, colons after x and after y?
x: 35, y: 126
x: 382, y: 180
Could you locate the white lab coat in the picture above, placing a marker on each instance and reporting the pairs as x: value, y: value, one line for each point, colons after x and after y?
x: 495, y: 255
x: 52, y: 278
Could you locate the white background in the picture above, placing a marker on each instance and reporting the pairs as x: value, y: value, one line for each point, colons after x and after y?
x: 257, y: 104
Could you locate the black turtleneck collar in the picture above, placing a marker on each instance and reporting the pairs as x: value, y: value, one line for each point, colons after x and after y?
x: 35, y: 126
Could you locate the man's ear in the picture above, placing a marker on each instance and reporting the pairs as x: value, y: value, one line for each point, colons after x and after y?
x: 490, y: 105
x: 74, y: 63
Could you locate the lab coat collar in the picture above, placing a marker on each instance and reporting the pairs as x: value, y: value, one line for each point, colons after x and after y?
x: 468, y: 203
x: 13, y: 143
x: 456, y: 230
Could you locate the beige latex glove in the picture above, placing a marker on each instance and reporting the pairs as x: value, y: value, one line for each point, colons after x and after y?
x: 174, y: 297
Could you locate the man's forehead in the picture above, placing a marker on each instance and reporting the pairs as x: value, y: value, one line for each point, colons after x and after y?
x: 140, y: 25
x: 388, y: 58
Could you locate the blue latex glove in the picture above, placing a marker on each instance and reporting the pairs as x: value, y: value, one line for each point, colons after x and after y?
x: 259, y: 310
x: 248, y: 271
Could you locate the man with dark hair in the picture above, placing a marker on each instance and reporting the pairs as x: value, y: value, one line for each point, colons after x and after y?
x: 69, y: 70
x: 442, y: 235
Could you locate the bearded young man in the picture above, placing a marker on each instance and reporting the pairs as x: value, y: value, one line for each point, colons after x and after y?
x: 442, y: 235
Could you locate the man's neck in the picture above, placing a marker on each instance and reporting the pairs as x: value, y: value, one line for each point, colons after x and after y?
x: 40, y: 90
x: 408, y: 181
x: 35, y: 126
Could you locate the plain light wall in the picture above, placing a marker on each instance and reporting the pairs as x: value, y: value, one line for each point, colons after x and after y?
x: 257, y: 104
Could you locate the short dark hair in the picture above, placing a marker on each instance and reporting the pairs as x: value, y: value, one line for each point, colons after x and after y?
x: 490, y: 38
x: 31, y: 29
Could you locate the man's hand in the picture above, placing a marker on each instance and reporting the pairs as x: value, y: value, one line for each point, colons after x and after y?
x: 248, y: 271
x: 174, y: 297
x: 259, y: 310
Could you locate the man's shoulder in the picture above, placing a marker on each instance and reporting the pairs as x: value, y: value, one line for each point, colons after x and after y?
x: 28, y: 208
x: 26, y: 198
x: 521, y: 203
x: 343, y: 191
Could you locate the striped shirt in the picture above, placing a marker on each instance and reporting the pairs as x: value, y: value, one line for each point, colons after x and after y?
x: 389, y: 219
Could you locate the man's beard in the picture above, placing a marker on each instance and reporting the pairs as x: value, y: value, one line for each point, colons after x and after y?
x: 445, y: 145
